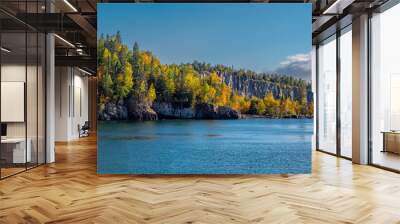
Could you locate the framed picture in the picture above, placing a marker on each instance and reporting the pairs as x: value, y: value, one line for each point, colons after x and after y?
x: 204, y: 88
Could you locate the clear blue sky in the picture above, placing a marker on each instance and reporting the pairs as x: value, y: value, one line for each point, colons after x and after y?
x: 251, y: 36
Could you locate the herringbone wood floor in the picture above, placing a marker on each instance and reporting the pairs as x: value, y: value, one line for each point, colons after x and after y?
x: 70, y: 191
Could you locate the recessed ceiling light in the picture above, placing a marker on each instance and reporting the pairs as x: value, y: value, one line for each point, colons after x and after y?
x: 337, y: 7
x: 331, y: 7
x: 65, y: 41
x: 70, y: 5
x: 5, y: 50
x: 84, y: 71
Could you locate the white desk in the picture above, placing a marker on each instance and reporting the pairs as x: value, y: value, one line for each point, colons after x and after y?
x: 19, y: 153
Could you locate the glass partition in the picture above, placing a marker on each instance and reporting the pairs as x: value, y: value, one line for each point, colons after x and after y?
x: 13, y: 94
x: 385, y: 89
x: 346, y: 92
x: 32, y: 98
x: 327, y: 95
x: 41, y: 97
x: 22, y: 77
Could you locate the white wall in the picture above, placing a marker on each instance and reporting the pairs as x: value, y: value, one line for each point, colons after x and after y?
x: 62, y: 82
x: 11, y: 73
x: 81, y: 104
x: 71, y: 94
x: 13, y: 101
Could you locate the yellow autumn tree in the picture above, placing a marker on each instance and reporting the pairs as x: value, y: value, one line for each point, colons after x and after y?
x: 192, y: 85
x: 207, y: 93
x: 245, y: 106
x: 271, y: 105
x: 260, y: 107
x: 145, y: 58
x: 125, y: 81
x: 257, y: 106
x: 236, y: 101
x: 240, y: 103
x: 224, y: 95
x: 212, y: 92
x: 310, y: 109
x: 204, y: 91
x: 215, y: 80
x: 106, y: 56
x: 152, y: 93
x: 288, y: 107
x: 128, y: 77
x: 142, y: 89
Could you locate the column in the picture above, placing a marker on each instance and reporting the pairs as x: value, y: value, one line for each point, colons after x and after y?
x: 360, y: 90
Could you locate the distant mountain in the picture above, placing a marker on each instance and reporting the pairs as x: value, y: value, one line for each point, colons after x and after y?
x: 298, y: 66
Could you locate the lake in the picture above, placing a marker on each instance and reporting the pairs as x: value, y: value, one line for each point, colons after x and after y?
x: 245, y: 146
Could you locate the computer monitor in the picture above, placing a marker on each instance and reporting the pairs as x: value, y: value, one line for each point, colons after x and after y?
x: 3, y: 130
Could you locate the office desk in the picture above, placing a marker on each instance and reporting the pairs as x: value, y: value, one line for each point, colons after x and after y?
x: 15, y: 148
x: 391, y: 141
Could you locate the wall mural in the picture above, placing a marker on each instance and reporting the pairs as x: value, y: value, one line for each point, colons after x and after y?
x: 204, y: 88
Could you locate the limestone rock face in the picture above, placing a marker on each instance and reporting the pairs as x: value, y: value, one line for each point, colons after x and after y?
x: 140, y: 111
x: 113, y: 111
x: 209, y: 111
x: 200, y: 111
x: 257, y: 87
x: 167, y: 110
x: 227, y: 113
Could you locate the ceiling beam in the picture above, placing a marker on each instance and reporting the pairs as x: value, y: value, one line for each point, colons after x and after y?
x: 90, y: 31
x: 78, y: 61
x: 338, y: 6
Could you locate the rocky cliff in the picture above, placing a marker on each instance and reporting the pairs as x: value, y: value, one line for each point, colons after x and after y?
x: 200, y: 111
x: 129, y: 110
x: 249, y: 87
x: 132, y: 110
x: 167, y: 110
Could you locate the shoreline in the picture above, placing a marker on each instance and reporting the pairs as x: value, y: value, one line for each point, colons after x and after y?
x: 251, y: 116
x: 242, y: 117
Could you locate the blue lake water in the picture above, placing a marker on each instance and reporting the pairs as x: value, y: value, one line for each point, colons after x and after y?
x: 246, y: 146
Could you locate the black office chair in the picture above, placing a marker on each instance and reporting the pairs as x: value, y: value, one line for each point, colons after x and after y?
x: 84, y: 130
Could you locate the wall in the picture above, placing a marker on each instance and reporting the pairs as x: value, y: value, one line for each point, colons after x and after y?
x: 71, y: 102
x: 15, y: 72
x: 62, y: 82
